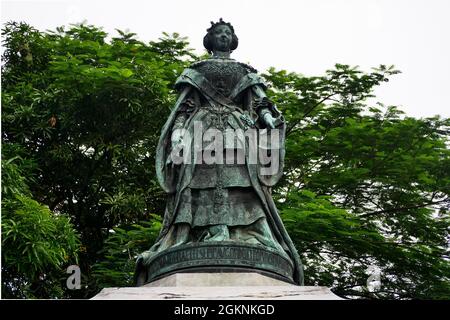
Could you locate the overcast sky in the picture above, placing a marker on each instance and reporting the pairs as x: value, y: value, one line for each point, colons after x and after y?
x: 305, y: 36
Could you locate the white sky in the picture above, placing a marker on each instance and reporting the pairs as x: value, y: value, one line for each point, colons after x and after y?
x: 305, y: 36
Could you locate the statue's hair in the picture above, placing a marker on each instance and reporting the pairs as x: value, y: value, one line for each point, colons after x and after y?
x: 208, y: 41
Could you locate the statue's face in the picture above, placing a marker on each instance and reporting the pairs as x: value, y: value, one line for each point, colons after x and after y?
x: 222, y: 37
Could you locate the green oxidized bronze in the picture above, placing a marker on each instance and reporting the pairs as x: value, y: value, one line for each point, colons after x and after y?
x: 220, y: 216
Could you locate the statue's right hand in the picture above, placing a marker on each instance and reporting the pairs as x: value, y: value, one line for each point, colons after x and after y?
x: 269, y: 120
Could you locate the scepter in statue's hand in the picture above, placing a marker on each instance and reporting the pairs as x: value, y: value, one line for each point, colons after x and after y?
x: 264, y: 107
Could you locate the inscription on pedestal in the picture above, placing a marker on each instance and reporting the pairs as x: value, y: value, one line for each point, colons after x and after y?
x: 224, y: 254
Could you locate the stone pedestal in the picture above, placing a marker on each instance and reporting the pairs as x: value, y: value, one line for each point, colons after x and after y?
x: 217, y: 286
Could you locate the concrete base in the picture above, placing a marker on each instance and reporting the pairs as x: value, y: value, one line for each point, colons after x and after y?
x: 217, y: 279
x: 217, y: 286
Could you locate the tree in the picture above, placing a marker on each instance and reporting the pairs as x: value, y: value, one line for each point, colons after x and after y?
x: 87, y: 112
x: 364, y: 185
x: 36, y: 243
x: 118, y: 262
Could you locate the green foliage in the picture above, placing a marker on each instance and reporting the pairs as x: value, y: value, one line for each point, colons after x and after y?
x: 88, y: 111
x: 36, y: 243
x: 338, y: 248
x: 117, y: 265
x: 385, y: 178
x: 364, y: 184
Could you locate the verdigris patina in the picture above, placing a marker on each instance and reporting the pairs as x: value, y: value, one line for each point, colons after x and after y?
x: 220, y: 214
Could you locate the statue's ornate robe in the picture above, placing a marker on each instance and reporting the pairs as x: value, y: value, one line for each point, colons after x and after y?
x: 220, y: 202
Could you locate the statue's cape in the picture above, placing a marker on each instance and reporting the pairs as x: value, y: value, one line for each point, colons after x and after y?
x: 174, y: 179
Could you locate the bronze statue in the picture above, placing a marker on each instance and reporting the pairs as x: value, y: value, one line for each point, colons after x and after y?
x: 220, y: 216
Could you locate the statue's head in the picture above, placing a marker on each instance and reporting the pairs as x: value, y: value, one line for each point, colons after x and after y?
x: 220, y: 37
